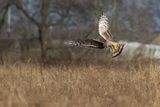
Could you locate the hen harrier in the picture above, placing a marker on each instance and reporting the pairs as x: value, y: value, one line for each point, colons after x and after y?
x: 115, y: 47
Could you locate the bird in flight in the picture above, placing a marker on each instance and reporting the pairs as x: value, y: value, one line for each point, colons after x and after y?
x: 115, y: 47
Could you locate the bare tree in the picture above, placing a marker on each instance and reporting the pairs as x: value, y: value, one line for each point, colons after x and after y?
x: 3, y: 13
x: 40, y: 25
x: 76, y: 11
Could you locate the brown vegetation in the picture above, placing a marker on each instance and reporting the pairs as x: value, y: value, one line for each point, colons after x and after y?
x: 78, y: 77
x: 80, y: 85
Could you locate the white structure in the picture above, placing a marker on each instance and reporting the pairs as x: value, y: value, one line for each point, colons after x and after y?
x: 140, y: 51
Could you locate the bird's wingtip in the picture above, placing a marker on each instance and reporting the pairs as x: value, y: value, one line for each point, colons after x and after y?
x: 103, y: 24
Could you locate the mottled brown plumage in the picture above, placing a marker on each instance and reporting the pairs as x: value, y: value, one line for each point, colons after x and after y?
x: 115, y: 47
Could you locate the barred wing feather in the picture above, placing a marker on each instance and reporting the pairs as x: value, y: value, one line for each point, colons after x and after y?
x: 87, y: 43
x: 104, y: 28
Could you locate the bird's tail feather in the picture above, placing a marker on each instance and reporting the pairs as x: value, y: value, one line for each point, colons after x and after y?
x: 86, y: 43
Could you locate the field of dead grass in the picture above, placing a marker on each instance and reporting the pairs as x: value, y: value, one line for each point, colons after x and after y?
x: 81, y: 85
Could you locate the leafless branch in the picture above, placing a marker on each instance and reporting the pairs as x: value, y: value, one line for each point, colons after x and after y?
x: 19, y: 7
x: 5, y: 9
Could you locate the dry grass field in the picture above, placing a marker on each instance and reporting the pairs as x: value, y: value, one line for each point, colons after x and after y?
x: 80, y: 85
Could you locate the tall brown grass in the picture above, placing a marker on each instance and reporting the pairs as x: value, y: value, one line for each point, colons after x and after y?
x: 80, y: 85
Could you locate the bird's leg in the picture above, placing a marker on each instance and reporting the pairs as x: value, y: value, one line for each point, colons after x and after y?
x: 115, y: 48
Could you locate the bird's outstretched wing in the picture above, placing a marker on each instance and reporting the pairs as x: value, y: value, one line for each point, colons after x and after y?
x: 104, y: 28
x: 115, y: 47
x: 86, y: 43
